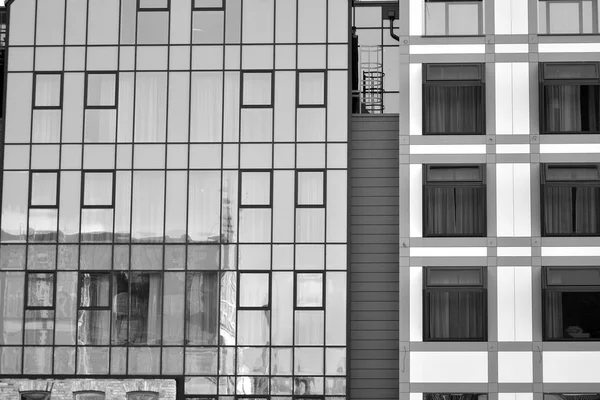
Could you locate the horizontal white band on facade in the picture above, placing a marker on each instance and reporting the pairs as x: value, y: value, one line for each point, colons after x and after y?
x: 570, y: 366
x: 512, y: 149
x: 569, y: 47
x: 570, y: 148
x: 447, y: 49
x: 592, y: 251
x: 513, y: 251
x: 448, y: 251
x: 448, y: 149
x: 512, y: 48
x: 433, y: 366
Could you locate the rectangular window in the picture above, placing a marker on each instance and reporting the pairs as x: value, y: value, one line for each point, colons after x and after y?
x: 453, y: 99
x: 311, y: 89
x: 569, y: 98
x: 257, y: 89
x: 89, y: 395
x: 208, y: 4
x: 44, y: 189
x: 567, y: 17
x: 254, y: 291
x: 40, y: 290
x: 310, y: 188
x: 454, y: 303
x: 47, y: 90
x: 98, y: 189
x: 202, y: 308
x: 35, y: 395
x: 571, y: 303
x: 256, y: 188
x: 453, y: 17
x: 454, y: 201
x: 39, y: 308
x: 93, y: 321
x: 150, y: 5
x: 309, y: 290
x: 101, y: 90
x: 570, y: 199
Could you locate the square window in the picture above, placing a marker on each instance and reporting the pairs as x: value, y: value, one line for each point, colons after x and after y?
x: 94, y: 290
x: 571, y: 303
x: 98, y: 189
x: 309, y: 290
x: 211, y: 4
x: 257, y: 89
x: 254, y: 290
x: 311, y: 88
x: 147, y: 5
x: 570, y: 199
x: 560, y: 17
x: 454, y: 304
x: 44, y: 189
x: 255, y: 190
x: 310, y: 190
x: 40, y: 290
x: 47, y: 90
x: 449, y: 18
x: 454, y: 201
x: 453, y: 99
x: 153, y: 28
x: 569, y: 98
x: 101, y: 90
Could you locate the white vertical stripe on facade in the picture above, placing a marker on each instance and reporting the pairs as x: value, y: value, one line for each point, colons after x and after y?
x: 431, y: 366
x: 520, y: 95
x: 415, y: 12
x: 502, y: 17
x: 416, y: 304
x: 570, y: 366
x: 522, y: 200
x: 513, y: 206
x: 416, y: 396
x: 416, y: 197
x: 519, y: 17
x: 523, y: 305
x: 515, y: 366
x: 504, y: 106
x: 506, y: 304
x: 416, y: 93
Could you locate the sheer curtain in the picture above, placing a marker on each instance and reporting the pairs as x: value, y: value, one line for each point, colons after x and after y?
x: 206, y: 107
x: 148, y: 206
x: 455, y: 210
x: 455, y: 314
x: 569, y: 209
x: 571, y: 108
x: 554, y: 316
x: 150, y: 107
x: 202, y: 308
x: 452, y: 109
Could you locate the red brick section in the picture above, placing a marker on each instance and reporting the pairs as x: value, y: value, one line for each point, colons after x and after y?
x: 62, y: 389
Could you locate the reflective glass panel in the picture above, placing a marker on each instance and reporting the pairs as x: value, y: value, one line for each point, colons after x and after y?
x: 564, y: 17
x: 44, y: 189
x: 93, y: 327
x: 153, y: 27
x: 310, y: 188
x: 39, y: 327
x: 254, y: 290
x: 94, y: 290
x: 154, y: 3
x: 98, y: 189
x: 257, y: 89
x: 311, y: 88
x: 208, y: 3
x: 40, y: 290
x: 309, y: 290
x: 47, y: 90
x: 145, y: 308
x: 256, y: 189
x: 101, y: 89
x: 208, y: 27
x: 202, y: 308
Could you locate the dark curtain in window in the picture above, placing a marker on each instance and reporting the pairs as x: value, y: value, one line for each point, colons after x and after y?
x: 453, y: 109
x: 571, y: 210
x: 455, y: 211
x: 554, y: 315
x: 462, y: 396
x: 571, y: 108
x: 456, y: 314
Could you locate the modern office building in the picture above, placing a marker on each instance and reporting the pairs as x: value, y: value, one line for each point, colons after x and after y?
x: 301, y: 199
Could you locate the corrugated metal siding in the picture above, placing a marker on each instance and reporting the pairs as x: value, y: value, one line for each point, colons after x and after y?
x: 374, y: 262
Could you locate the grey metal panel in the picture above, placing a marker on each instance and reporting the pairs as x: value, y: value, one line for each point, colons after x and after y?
x: 373, y: 255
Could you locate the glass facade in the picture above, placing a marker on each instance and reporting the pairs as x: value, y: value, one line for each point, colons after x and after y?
x: 174, y: 194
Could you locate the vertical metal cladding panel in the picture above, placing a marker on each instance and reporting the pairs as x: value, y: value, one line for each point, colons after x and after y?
x: 374, y: 259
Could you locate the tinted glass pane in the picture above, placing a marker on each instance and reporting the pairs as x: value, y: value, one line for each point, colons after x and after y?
x: 564, y: 17
x: 40, y: 290
x: 145, y: 308
x: 573, y: 276
x: 572, y: 315
x: 153, y: 27
x: 43, y: 189
x: 154, y: 3
x: 47, y: 90
x: 39, y: 327
x: 208, y: 27
x: 453, y: 72
x: 454, y: 211
x: 98, y: 189
x: 571, y: 108
x: 101, y: 89
x: 454, y: 277
x: 571, y: 210
x: 451, y: 174
x: 456, y: 315
x: 453, y: 109
x: 208, y: 3
x: 557, y: 173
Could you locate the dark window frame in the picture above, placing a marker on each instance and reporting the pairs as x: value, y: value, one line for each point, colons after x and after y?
x: 442, y: 288
x: 110, y: 275
x: 479, y: 82
x: 194, y: 8
x: 105, y: 107
x: 270, y: 296
x: 544, y: 183
x: 594, y: 16
x: 35, y: 395
x: 43, y: 308
x: 297, y: 192
x: 153, y: 9
x: 324, y: 290
x: 91, y: 392
x: 241, y: 185
x: 257, y: 71
x: 83, y: 180
x: 546, y: 82
x: 429, y: 184
x: 61, y: 95
x: 30, y: 195
x: 556, y: 288
x: 311, y: 71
